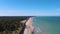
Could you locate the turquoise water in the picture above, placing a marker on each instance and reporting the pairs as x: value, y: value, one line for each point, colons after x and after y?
x: 48, y: 24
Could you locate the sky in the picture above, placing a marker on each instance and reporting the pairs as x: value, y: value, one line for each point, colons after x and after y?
x: 29, y: 7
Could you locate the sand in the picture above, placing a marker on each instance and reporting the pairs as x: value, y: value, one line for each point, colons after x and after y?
x: 29, y: 27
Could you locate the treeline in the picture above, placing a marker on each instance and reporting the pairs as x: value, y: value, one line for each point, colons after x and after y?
x: 11, y: 23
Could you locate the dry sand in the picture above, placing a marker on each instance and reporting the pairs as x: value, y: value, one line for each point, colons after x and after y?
x: 29, y: 27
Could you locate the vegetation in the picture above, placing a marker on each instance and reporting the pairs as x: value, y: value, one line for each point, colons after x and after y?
x: 10, y: 24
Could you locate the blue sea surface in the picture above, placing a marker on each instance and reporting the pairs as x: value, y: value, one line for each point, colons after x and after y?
x: 47, y: 24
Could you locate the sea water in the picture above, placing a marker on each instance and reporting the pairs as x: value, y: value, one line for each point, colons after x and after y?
x: 47, y: 24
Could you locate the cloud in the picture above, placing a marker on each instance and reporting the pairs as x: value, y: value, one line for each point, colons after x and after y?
x: 17, y: 13
x: 27, y: 13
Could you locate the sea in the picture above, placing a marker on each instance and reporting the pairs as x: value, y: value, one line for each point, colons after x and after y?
x: 47, y: 24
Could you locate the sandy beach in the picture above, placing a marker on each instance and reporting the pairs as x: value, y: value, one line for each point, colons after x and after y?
x: 29, y: 27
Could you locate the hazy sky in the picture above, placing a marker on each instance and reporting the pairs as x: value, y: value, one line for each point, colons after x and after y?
x: 30, y: 7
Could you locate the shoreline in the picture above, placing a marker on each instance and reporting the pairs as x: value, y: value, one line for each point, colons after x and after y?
x: 29, y: 27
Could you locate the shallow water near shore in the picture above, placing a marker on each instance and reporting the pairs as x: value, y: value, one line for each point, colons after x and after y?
x: 47, y: 24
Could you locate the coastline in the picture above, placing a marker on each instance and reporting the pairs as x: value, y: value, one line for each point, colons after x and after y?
x: 29, y: 27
